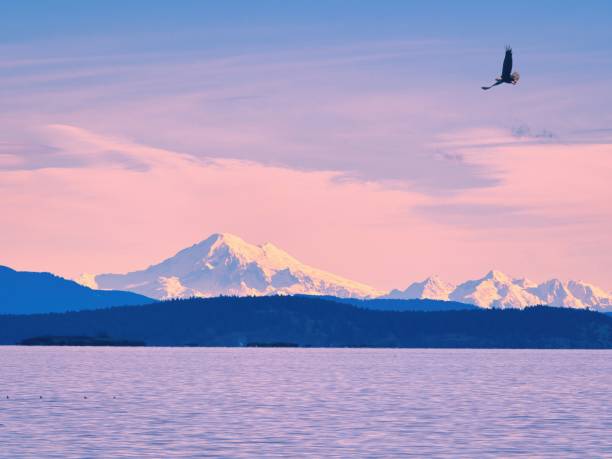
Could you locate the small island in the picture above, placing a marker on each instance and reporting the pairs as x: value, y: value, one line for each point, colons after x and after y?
x: 78, y: 341
x: 273, y: 344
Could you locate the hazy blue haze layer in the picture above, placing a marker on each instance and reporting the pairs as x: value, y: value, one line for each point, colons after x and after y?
x: 186, y: 402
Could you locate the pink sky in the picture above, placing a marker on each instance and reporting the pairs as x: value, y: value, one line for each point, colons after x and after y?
x: 345, y: 156
x: 131, y: 205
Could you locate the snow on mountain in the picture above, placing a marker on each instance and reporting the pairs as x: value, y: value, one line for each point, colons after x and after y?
x: 224, y: 264
x: 590, y: 294
x: 498, y: 290
x: 495, y: 290
x: 432, y: 288
x: 524, y: 283
x: 556, y: 293
x: 574, y: 294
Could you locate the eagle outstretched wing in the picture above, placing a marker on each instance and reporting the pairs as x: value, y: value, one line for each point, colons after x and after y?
x: 507, y: 68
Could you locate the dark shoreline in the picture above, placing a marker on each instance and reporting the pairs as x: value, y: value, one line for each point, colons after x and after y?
x: 50, y: 340
x: 303, y: 322
x: 311, y: 347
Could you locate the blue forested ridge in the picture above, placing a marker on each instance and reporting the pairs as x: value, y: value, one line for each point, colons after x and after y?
x: 317, y: 322
x: 23, y: 292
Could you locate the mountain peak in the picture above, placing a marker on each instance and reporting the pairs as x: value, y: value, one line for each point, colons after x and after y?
x: 223, y: 238
x: 434, y: 279
x: 230, y: 239
x: 432, y: 288
x: 498, y: 276
x: 225, y: 264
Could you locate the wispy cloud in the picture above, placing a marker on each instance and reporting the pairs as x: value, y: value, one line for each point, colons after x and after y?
x: 117, y: 217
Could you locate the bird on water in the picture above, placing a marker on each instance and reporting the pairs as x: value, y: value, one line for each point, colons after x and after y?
x: 507, y: 75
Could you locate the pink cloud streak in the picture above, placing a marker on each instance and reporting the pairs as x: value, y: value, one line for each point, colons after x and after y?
x: 108, y: 216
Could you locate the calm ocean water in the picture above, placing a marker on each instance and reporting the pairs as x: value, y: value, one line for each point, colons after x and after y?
x: 198, y: 402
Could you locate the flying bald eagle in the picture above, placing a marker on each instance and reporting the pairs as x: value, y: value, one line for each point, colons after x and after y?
x: 506, y: 76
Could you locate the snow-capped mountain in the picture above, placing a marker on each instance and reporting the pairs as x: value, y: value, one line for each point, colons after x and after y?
x: 498, y: 290
x: 224, y: 264
x: 432, y: 288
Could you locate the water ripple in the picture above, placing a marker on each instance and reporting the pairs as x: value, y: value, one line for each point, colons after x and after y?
x: 197, y: 402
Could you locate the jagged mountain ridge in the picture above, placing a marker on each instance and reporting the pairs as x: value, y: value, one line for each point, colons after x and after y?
x: 498, y: 290
x: 224, y: 264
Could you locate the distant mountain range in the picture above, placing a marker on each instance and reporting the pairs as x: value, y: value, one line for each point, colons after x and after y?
x: 29, y: 292
x: 498, y: 290
x: 23, y: 292
x: 224, y: 264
